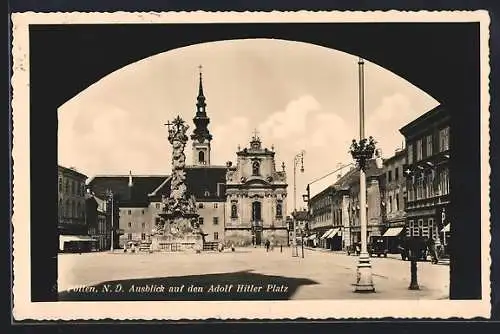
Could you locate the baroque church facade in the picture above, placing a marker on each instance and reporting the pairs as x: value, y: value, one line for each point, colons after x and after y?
x: 240, y: 204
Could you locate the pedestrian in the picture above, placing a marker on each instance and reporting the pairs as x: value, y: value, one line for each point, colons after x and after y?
x: 431, y: 246
x: 267, y: 245
x: 232, y: 247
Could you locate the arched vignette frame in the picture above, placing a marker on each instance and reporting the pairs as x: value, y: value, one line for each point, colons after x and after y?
x: 440, y: 58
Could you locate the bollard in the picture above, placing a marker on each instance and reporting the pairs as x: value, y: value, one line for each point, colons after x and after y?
x: 413, y: 272
x: 281, y: 248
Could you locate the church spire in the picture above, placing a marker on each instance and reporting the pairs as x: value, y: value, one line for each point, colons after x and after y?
x: 201, y: 119
x: 201, y: 137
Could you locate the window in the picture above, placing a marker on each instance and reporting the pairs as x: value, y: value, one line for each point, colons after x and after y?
x: 216, y: 205
x: 129, y: 212
x: 60, y: 184
x: 216, y: 235
x: 410, y: 154
x: 419, y: 150
x: 200, y: 220
x: 420, y: 187
x: 432, y: 229
x: 73, y: 209
x: 279, y: 209
x: 200, y: 205
x: 129, y: 236
x: 78, y: 210
x: 207, y: 193
x: 143, y: 226
x: 396, y: 174
x: 389, y: 207
x: 428, y: 151
x: 201, y: 157
x: 216, y: 220
x: 255, y: 168
x: 409, y: 231
x: 129, y: 224
x: 444, y: 139
x: 75, y: 188
x: 143, y: 236
x: 67, y: 209
x: 66, y: 186
x: 142, y: 211
x: 157, y: 205
x: 444, y: 182
x: 396, y: 207
x: 234, y: 211
x: 389, y: 176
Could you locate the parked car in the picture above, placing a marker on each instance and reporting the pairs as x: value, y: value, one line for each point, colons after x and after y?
x: 418, y: 244
x: 378, y: 247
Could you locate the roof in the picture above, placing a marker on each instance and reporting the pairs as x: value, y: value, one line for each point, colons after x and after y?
x: 422, y: 122
x: 125, y: 197
x: 206, y: 183
x: 72, y: 171
x: 352, y: 177
x: 300, y: 215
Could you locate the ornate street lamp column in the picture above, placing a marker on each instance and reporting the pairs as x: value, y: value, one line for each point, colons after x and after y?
x: 362, y: 152
x: 110, y: 195
x: 298, y: 159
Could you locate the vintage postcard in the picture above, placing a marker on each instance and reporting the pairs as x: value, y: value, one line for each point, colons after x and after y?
x: 228, y: 165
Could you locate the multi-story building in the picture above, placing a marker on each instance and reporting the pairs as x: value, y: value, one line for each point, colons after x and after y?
x: 72, y: 227
x: 301, y: 218
x: 428, y: 175
x: 393, y: 184
x: 335, y: 210
x: 256, y: 198
x: 98, y: 221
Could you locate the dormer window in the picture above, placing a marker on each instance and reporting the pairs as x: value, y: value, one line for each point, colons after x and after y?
x: 255, y: 168
x: 207, y: 193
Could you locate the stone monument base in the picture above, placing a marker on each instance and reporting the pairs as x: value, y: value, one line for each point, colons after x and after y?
x: 178, y: 235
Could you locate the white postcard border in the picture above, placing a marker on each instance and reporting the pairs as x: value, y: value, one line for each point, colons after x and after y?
x: 175, y: 310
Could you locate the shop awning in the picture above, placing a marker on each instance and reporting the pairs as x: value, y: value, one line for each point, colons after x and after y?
x: 446, y: 229
x: 333, y: 233
x: 69, y: 238
x: 312, y: 237
x: 393, y: 231
x: 326, y: 234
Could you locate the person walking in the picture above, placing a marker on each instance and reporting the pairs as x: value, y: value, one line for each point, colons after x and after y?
x: 267, y: 245
x: 431, y: 246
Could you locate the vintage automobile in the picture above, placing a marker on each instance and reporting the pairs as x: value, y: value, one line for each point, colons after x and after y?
x: 417, y: 244
x: 378, y: 246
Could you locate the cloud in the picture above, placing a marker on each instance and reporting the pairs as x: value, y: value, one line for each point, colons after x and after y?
x: 292, y: 121
x: 387, y: 118
x: 227, y: 136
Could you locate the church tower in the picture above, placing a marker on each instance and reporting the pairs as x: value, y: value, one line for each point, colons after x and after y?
x: 201, y: 137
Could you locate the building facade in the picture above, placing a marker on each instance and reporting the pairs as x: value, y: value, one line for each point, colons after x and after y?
x: 335, y: 210
x: 428, y: 175
x: 99, y: 222
x: 393, y: 183
x: 71, y: 206
x: 256, y: 198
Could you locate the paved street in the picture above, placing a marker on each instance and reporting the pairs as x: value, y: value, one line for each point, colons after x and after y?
x: 320, y: 275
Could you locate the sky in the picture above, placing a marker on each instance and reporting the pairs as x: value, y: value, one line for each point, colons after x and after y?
x: 298, y: 96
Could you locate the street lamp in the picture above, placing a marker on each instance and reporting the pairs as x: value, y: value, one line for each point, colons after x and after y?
x: 110, y: 195
x: 362, y: 152
x: 298, y: 159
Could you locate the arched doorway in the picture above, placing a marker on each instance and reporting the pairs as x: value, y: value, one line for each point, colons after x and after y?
x: 257, y: 222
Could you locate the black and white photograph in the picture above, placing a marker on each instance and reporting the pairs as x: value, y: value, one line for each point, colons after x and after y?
x: 321, y: 176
